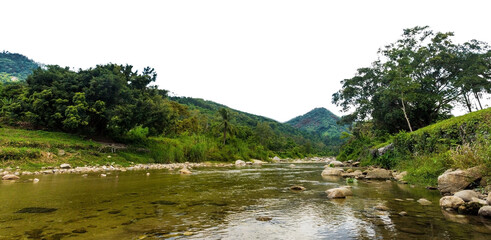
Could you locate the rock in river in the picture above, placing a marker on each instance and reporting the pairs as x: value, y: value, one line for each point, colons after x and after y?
x: 379, y: 173
x: 451, y: 202
x: 454, y: 181
x: 332, y: 172
x: 466, y: 195
x: 297, y: 188
x: 424, y: 202
x: 485, y: 211
x: 10, y: 177
x: 184, y: 170
x: 340, y: 192
x: 65, y: 166
x: 240, y: 163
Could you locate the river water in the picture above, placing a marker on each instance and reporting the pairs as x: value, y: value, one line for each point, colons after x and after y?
x: 223, y: 203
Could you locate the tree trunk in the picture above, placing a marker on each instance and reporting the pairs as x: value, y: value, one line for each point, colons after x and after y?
x: 467, y: 102
x: 405, y: 115
x: 478, y: 100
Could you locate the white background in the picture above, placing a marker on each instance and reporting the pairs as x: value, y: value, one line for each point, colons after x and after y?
x: 278, y: 59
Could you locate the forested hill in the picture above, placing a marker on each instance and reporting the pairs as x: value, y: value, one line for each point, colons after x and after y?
x: 14, y: 66
x: 320, y: 121
x: 270, y: 132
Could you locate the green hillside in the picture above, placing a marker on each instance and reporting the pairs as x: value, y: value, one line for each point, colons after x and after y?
x: 274, y: 134
x: 320, y: 121
x: 459, y: 142
x: 14, y: 66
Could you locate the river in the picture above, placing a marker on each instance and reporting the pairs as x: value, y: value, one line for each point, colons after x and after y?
x: 223, y: 203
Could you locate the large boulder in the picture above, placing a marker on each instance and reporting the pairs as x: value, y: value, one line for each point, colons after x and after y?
x: 485, y: 211
x: 488, y: 200
x: 466, y: 195
x: 451, y: 202
x: 10, y: 177
x: 379, y: 173
x: 340, y: 192
x: 240, y: 163
x: 65, y: 166
x: 381, y: 151
x: 336, y: 163
x: 332, y: 172
x: 454, y: 181
x: 256, y: 162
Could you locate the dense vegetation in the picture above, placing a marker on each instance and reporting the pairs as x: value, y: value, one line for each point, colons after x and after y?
x: 115, y: 103
x: 14, y: 66
x: 321, y: 122
x: 415, y: 83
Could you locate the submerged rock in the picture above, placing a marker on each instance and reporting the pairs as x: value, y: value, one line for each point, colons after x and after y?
x: 454, y: 181
x: 79, y: 230
x: 184, y: 170
x: 36, y: 210
x: 297, y: 188
x: 381, y: 208
x: 424, y: 202
x: 451, y: 202
x: 10, y: 177
x: 264, y: 218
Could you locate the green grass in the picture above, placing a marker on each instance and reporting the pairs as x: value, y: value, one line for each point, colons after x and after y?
x: 34, y: 149
x: 459, y: 142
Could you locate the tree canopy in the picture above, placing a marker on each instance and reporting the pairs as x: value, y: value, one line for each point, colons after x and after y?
x: 416, y: 81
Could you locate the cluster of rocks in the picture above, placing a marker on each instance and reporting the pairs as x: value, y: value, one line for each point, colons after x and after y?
x: 277, y: 159
x: 371, y: 173
x: 184, y: 168
x: 241, y: 163
x: 453, y: 183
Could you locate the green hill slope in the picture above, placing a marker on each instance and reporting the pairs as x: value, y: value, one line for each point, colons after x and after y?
x: 320, y: 121
x: 274, y: 133
x: 459, y: 142
x: 14, y: 66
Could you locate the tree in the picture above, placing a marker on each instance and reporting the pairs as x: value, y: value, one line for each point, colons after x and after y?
x: 413, y: 83
x: 225, y: 124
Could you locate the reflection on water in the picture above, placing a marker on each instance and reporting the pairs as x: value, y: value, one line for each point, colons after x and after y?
x: 224, y: 204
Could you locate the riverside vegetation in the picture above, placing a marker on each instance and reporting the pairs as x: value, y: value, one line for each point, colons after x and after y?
x: 402, y: 103
x: 60, y: 115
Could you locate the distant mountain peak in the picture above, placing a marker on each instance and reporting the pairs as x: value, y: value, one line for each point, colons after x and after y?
x: 319, y: 120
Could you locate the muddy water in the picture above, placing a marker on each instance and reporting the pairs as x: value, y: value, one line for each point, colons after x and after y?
x: 223, y: 203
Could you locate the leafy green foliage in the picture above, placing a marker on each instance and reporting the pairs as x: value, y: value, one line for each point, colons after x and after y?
x: 14, y: 67
x: 321, y: 122
x: 416, y: 80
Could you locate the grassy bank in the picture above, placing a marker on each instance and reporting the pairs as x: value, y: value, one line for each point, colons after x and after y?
x: 459, y: 142
x: 33, y: 149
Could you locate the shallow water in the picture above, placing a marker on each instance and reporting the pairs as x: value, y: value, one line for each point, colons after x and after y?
x: 223, y: 203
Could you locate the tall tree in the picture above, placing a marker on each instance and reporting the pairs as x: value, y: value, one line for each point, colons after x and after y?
x: 414, y: 82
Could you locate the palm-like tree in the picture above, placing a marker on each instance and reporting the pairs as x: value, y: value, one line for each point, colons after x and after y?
x: 225, y: 124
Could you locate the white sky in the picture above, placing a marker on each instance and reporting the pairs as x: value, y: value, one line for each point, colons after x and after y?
x: 279, y: 59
